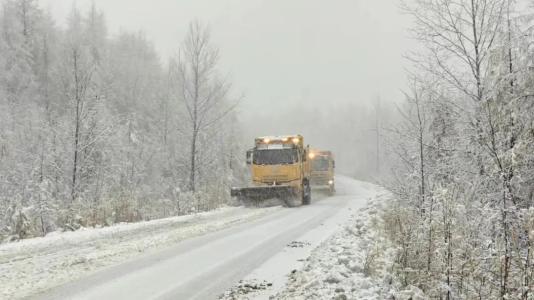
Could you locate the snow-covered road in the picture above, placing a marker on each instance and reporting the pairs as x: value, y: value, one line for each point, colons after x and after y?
x: 204, y: 267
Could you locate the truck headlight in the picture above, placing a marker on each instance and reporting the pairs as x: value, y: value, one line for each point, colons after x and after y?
x: 330, y: 182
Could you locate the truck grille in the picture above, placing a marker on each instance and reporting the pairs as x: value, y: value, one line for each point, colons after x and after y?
x: 280, y: 178
x: 320, y: 179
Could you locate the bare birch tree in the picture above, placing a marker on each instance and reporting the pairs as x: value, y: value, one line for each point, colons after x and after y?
x: 201, y: 90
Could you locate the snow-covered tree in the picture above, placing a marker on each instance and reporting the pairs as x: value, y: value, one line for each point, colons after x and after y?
x: 479, y: 129
x: 93, y: 129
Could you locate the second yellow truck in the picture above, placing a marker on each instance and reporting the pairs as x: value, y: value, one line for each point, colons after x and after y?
x: 322, y: 170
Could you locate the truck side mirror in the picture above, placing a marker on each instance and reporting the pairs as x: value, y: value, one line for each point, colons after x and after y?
x: 249, y: 156
x: 306, y: 152
x: 334, y: 164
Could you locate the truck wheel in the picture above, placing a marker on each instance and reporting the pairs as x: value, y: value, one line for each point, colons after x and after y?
x: 306, y: 195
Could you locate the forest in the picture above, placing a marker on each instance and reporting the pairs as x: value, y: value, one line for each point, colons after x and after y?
x: 463, y: 152
x: 96, y: 130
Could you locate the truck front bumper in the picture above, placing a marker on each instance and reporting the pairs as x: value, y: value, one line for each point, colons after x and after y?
x: 265, y: 192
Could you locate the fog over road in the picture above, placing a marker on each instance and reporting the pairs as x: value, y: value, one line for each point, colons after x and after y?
x: 206, y: 266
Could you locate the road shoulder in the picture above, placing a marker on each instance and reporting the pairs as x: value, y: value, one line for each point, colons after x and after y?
x: 346, y: 259
x: 352, y: 264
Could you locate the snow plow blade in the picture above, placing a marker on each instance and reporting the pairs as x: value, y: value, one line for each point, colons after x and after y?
x: 256, y: 195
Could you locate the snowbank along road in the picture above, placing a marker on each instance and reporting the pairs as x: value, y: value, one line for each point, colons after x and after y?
x: 204, y: 267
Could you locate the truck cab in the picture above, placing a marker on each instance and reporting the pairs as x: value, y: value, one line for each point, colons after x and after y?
x: 279, y: 168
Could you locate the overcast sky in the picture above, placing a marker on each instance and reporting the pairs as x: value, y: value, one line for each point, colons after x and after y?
x: 279, y: 52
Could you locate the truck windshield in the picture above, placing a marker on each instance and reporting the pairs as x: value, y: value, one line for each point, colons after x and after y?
x: 320, y: 164
x: 275, y: 157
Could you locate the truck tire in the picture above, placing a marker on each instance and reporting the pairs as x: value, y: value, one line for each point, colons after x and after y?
x: 306, y: 195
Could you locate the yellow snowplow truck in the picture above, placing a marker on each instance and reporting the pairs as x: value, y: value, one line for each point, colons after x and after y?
x: 322, y: 170
x: 280, y: 169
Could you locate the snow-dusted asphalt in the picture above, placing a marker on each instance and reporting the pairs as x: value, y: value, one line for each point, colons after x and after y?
x: 206, y: 266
